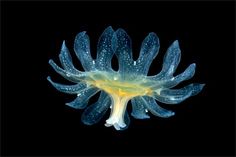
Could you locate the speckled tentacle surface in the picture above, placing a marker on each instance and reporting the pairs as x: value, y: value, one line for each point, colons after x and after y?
x: 129, y: 83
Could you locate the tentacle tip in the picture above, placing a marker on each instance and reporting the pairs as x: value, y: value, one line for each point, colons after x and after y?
x: 193, y: 65
x: 109, y: 28
x: 176, y: 43
x: 154, y: 37
x: 81, y: 34
x: 198, y: 88
x: 171, y: 114
x: 50, y: 61
x: 120, y: 30
x: 63, y: 46
x: 49, y: 79
x: 167, y: 114
x: 69, y: 105
x: 202, y: 86
x: 152, y: 34
x: 84, y: 121
x: 140, y: 117
x: 63, y: 43
x: 73, y: 105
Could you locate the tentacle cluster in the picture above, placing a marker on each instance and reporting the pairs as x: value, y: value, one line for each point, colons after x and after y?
x: 130, y: 82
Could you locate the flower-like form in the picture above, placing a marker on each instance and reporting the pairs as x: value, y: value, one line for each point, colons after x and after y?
x: 130, y: 82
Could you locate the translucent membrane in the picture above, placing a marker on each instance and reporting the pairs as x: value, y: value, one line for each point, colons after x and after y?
x: 130, y: 82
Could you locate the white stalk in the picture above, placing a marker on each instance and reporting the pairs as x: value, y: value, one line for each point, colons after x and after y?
x: 116, y: 118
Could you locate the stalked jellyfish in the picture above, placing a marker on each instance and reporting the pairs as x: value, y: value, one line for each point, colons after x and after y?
x: 130, y: 82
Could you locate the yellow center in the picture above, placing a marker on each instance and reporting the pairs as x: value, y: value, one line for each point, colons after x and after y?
x: 110, y: 83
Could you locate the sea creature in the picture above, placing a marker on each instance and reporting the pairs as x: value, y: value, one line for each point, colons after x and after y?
x: 129, y: 83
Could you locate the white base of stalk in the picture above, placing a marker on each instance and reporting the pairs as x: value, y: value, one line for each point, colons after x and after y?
x: 116, y: 118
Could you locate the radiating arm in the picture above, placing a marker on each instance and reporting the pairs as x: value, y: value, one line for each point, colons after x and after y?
x: 67, y: 75
x: 94, y: 113
x: 154, y: 108
x: 82, y: 51
x: 170, y: 62
x: 173, y: 81
x: 105, y: 49
x: 82, y: 98
x: 69, y: 89
x: 124, y: 53
x: 175, y: 96
x: 66, y: 61
x: 149, y: 50
x: 138, y: 109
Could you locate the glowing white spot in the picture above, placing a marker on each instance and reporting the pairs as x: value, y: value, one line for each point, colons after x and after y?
x: 93, y: 62
x: 134, y: 62
x: 146, y: 110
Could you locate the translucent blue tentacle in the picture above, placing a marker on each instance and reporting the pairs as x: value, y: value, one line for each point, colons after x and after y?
x: 138, y: 109
x: 149, y: 50
x: 170, y: 62
x: 77, y: 104
x: 187, y: 74
x: 154, y: 108
x: 66, y: 61
x: 196, y: 88
x: 67, y: 75
x: 82, y: 98
x: 175, y: 96
x: 124, y: 53
x: 82, y: 51
x: 126, y: 120
x: 69, y: 89
x: 105, y: 49
x: 96, y: 111
x: 174, y: 81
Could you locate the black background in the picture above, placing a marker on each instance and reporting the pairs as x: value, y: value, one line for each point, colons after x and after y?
x: 35, y: 120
